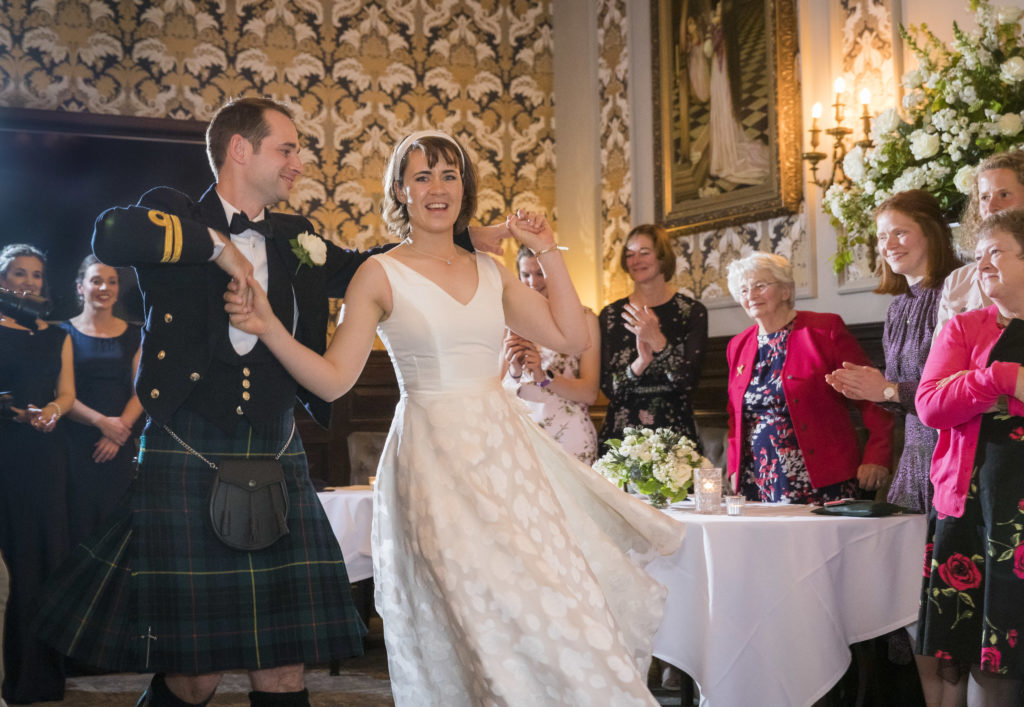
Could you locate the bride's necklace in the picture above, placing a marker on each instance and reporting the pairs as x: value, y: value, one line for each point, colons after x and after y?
x: 446, y: 261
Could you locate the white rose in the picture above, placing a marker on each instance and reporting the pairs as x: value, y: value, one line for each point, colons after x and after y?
x: 1006, y: 15
x: 1012, y: 70
x: 315, y: 246
x: 1009, y: 124
x: 923, y: 145
x: 853, y: 164
x: 964, y: 179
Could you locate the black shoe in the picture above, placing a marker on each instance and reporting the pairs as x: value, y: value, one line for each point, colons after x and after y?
x: 279, y: 699
x: 159, y: 695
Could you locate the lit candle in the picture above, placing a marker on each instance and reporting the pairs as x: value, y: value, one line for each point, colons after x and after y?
x: 865, y: 99
x: 840, y: 88
x: 815, y: 114
x: 709, y: 485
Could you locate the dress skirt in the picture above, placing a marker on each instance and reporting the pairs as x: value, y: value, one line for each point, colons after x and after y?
x: 155, y: 590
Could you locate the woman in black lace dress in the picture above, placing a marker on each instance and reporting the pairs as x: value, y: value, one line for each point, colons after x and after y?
x: 652, y: 343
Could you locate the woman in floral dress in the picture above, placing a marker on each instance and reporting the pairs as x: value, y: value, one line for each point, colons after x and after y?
x: 558, y: 389
x: 791, y: 438
x: 971, y: 391
x: 652, y: 343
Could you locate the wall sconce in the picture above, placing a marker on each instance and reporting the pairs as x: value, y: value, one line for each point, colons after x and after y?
x: 838, y: 133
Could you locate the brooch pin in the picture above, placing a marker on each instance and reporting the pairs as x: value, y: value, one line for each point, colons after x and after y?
x: 739, y: 369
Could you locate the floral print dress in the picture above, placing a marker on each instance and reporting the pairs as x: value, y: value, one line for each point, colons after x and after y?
x: 971, y: 604
x: 772, y: 469
x: 660, y: 396
x: 566, y: 420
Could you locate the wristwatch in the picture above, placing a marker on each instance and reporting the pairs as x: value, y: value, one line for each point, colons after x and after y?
x: 889, y: 392
x: 549, y: 376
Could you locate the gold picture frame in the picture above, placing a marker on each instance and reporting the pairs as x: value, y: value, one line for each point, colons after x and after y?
x: 744, y: 165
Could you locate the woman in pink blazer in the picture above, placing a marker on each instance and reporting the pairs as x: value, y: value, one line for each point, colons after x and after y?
x: 791, y: 438
x: 972, y: 613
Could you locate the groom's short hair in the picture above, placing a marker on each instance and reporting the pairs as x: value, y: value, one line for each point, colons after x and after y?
x: 239, y: 116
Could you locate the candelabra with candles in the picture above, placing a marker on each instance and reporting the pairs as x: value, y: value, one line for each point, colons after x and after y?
x: 838, y: 133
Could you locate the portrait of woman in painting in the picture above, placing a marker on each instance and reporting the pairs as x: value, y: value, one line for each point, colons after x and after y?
x: 722, y: 109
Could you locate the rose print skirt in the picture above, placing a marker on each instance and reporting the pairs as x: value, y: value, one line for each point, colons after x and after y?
x: 972, y: 604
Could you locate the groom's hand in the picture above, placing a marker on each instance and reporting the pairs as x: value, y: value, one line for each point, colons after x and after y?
x: 238, y: 267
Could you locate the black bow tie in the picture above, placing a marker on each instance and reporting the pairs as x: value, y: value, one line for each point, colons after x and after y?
x: 241, y: 223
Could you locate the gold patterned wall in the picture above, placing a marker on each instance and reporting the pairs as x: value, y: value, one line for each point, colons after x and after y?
x: 358, y: 73
x: 616, y: 178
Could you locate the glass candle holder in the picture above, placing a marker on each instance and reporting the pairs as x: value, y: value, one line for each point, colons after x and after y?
x: 734, y: 505
x: 707, y: 490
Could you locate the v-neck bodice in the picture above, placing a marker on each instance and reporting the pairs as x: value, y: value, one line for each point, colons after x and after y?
x: 436, y: 343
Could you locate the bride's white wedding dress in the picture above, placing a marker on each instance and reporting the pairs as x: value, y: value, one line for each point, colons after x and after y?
x: 501, y: 564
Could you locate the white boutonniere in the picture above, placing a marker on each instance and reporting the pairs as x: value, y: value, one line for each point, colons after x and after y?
x: 310, y: 249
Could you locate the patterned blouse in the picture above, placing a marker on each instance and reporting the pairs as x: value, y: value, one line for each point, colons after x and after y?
x: 660, y: 396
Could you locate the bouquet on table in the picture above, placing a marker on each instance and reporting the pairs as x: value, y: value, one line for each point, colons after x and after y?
x: 963, y: 103
x: 657, y: 463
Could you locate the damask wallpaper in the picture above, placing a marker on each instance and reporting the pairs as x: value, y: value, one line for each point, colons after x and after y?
x: 359, y: 74
x: 616, y: 178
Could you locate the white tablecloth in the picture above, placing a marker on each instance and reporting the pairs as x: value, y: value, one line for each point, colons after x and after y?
x: 762, y: 607
x: 350, y: 511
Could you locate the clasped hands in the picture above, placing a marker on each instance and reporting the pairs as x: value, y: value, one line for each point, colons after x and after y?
x: 643, y: 323
x: 115, y: 433
x: 521, y: 355
x: 35, y: 416
x: 858, y: 382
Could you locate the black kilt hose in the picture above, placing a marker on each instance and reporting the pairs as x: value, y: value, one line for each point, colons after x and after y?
x: 155, y: 590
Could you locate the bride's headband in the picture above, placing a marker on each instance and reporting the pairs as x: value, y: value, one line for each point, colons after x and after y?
x: 404, y: 145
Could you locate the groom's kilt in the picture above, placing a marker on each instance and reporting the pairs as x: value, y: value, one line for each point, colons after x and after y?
x: 155, y: 590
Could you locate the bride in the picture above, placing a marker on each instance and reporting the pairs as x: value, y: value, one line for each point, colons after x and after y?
x: 501, y: 562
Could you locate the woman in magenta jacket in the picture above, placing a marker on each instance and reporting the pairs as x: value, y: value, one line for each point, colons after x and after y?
x: 791, y: 438
x: 972, y: 616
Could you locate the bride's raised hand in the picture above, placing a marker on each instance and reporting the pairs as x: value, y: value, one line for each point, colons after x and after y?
x: 531, y: 230
x: 249, y: 312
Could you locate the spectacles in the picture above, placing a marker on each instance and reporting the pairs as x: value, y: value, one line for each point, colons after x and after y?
x: 756, y: 289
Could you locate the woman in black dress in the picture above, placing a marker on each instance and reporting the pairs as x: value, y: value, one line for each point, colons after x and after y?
x: 652, y: 343
x: 106, y: 354
x: 652, y: 350
x: 972, y: 387
x: 36, y: 368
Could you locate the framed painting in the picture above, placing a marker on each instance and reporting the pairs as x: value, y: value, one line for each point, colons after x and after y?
x: 727, y: 112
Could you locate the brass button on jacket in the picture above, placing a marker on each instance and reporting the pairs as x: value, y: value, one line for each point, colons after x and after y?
x: 161, y: 355
x: 168, y: 317
x: 245, y: 395
x: 193, y: 376
x: 155, y: 393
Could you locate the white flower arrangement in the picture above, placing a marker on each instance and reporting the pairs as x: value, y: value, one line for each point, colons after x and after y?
x: 658, y: 463
x: 962, y: 103
x: 310, y: 249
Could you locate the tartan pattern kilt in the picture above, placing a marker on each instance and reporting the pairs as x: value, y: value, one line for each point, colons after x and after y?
x: 155, y: 590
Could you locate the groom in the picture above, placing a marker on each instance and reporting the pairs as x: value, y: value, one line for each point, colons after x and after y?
x: 213, y: 391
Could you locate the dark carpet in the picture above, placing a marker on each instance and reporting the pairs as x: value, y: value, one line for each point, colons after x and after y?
x: 361, y: 682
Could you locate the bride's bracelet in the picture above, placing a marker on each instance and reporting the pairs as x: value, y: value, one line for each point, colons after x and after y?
x: 553, y: 246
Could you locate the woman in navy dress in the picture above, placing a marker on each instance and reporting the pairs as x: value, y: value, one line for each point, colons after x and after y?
x: 106, y: 355
x: 35, y: 367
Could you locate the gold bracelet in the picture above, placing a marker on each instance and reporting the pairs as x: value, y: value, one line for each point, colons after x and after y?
x: 60, y: 413
x: 553, y: 246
